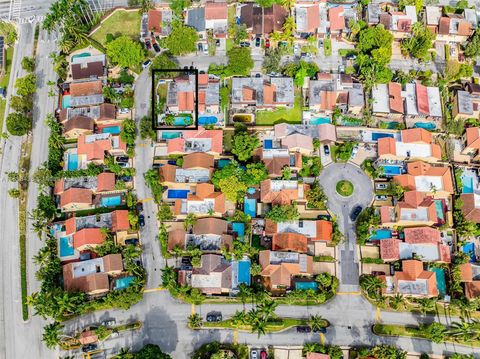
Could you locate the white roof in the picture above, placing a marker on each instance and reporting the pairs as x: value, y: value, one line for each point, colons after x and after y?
x: 426, y: 183
x: 434, y: 13
x: 414, y: 214
x: 434, y: 104
x: 476, y: 198
x: 380, y: 98
x: 307, y: 228
x: 415, y: 150
x: 410, y: 95
x: 211, y: 280
x: 277, y: 186
x: 427, y: 252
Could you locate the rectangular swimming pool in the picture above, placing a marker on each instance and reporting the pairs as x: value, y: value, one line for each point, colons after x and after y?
x: 439, y: 208
x: 467, y: 185
x: 390, y: 170
x: 171, y: 135
x: 177, y: 193
x: 379, y: 234
x: 239, y: 228
x: 306, y: 285
x: 441, y: 285
x: 72, y: 162
x: 425, y: 125
x: 123, y: 283
x: 319, y: 120
x: 66, y: 101
x: 207, y: 120
x: 377, y: 135
x: 469, y: 249
x: 182, y: 121
x: 223, y: 162
x: 250, y: 207
x: 267, y: 144
x: 244, y: 272
x: 111, y: 201
x: 66, y: 248
x: 114, y: 130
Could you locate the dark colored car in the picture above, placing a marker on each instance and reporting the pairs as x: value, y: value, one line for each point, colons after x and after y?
x: 267, y: 43
x: 351, y: 57
x: 257, y: 42
x: 123, y: 159
x: 377, y: 273
x: 244, y: 44
x: 321, y: 330
x: 141, y: 220
x: 89, y: 347
x: 326, y: 150
x: 139, y: 206
x: 214, y: 317
x: 131, y: 241
x: 355, y: 212
x: 304, y: 329
x: 156, y: 47
x: 125, y: 178
x: 157, y: 165
x: 148, y: 44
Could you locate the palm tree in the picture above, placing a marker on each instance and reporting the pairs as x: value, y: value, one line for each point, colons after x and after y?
x: 288, y: 4
x: 317, y: 322
x: 259, y: 324
x: 463, y: 330
x: 195, y: 321
x: 309, y: 348
x: 169, y: 277
x: 427, y: 304
x: 239, y: 318
x: 124, y: 354
x: 51, y: 334
x: 465, y: 306
x: 244, y: 292
x: 189, y: 221
x: 196, y: 296
x: 372, y: 285
x: 396, y: 301
x: 267, y: 308
x: 42, y: 257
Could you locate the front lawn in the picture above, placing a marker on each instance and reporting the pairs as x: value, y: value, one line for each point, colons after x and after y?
x: 8, y: 65
x: 327, y: 47
x: 120, y: 23
x: 289, y: 115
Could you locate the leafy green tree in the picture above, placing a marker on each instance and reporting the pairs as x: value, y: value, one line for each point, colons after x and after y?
x: 195, y: 321
x: 372, y: 285
x: 28, y: 64
x: 266, y: 3
x: 419, y: 43
x: 181, y: 40
x: 239, y: 61
x: 230, y: 170
x: 21, y: 104
x: 472, y: 49
x: 18, y: 124
x: 151, y: 351
x: 396, y: 301
x: 146, y: 129
x: 465, y: 331
x: 387, y: 352
x: 8, y: 30
x: 14, y: 192
x: 427, y: 305
x: 177, y: 6
x: 239, y: 33
x: 43, y: 176
x: 317, y: 322
x: 164, y: 212
x: 244, y: 144
x: 233, y: 189
x: 189, y: 221
x: 129, y: 132
x: 283, y: 213
x: 365, y: 221
x: 417, y: 3
x: 255, y: 173
x: 271, y: 61
x: 51, y: 334
x: 435, y: 332
x: 286, y: 173
x: 125, y: 52
x: 316, y: 198
x: 27, y: 85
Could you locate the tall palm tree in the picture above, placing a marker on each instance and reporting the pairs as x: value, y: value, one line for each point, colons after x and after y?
x: 244, y: 292
x: 51, y: 334
x: 42, y: 257
x: 427, y: 304
x: 239, y: 318
x: 267, y: 308
x: 189, y: 221
x: 259, y: 326
x: 124, y: 354
x: 372, y: 285
x: 194, y: 321
x: 463, y: 330
x: 317, y: 322
x: 396, y: 301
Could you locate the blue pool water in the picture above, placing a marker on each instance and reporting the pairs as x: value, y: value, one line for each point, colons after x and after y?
x: 239, y: 227
x: 380, y: 234
x: 66, y: 101
x: 377, y: 135
x: 306, y: 285
x: 83, y: 54
x: 181, y: 121
x: 392, y: 125
x: 66, y: 248
x: 124, y: 282
x: 469, y: 249
x: 111, y: 201
x: 177, y: 193
x: 170, y: 135
x: 441, y: 285
x: 251, y: 190
x: 114, y: 130
x: 320, y: 120
x: 250, y: 207
x: 72, y: 163
x: 425, y: 125
x: 207, y: 120
x: 268, y: 144
x: 244, y: 272
x: 390, y: 170
x: 467, y: 185
x: 223, y: 162
x: 439, y: 208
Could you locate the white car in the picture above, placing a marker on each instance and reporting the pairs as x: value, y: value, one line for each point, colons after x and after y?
x: 296, y: 49
x: 205, y: 49
x: 146, y: 64
x: 253, y: 354
x: 354, y: 152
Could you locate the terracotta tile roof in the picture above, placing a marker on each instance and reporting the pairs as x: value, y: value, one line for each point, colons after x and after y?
x: 419, y: 168
x: 276, y: 164
x: 113, y: 263
x: 404, y: 25
x: 94, y: 150
x: 210, y: 225
x: 120, y: 220
x: 282, y: 197
x: 216, y: 11
x: 469, y: 209
x: 324, y: 230
x: 328, y: 100
x: 422, y: 99
x: 212, y: 264
x: 464, y: 28
x: 176, y: 238
x: 59, y: 186
x: 412, y: 271
x: 390, y: 249
x: 88, y: 337
x: 298, y: 140
x: 386, y: 146
x: 168, y: 172
x: 248, y: 93
x: 395, y: 97
x: 202, y: 79
x: 472, y: 289
x: 337, y: 20
x: 445, y: 253
x: 79, y: 123
x: 444, y: 26
x: 76, y: 195
x: 317, y: 356
x: 105, y: 182
x: 86, y: 88
x: 198, y: 160
x: 88, y: 237
x: 108, y: 112
x: 313, y: 18
x: 154, y: 20
x: 70, y: 226
x: 386, y: 20
x: 88, y: 70
x: 178, y: 144
x: 418, y: 235
x: 289, y: 242
x: 281, y: 274
x: 186, y: 101
x: 416, y: 135
x: 269, y: 97
x: 386, y: 213
x: 206, y: 190
x: 473, y: 137
x: 97, y: 282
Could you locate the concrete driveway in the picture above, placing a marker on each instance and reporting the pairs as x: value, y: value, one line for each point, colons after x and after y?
x: 342, y: 206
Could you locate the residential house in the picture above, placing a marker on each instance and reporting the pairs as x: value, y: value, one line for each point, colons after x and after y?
x: 331, y: 91
x: 204, y: 201
x: 470, y: 277
x: 289, y: 242
x: 416, y: 209
x: 399, y: 23
x: 181, y: 94
x: 464, y: 106
x: 412, y: 281
x: 87, y: 238
x: 195, y: 17
x: 78, y: 125
x: 336, y: 19
x: 208, y: 235
x: 85, y: 93
x: 88, y: 67
x: 208, y: 94
x: 415, y: 144
x: 457, y: 27
x: 325, y: 133
x: 263, y: 21
x: 94, y: 148
x: 471, y: 206
x: 471, y: 143
x: 279, y: 268
x: 92, y: 276
x: 422, y: 243
x: 262, y: 94
x: 201, y: 140
x: 423, y: 106
x: 115, y: 221
x: 373, y: 13
x: 197, y: 167
x: 214, y: 276
x: 388, y: 101
x: 308, y: 19
x: 104, y: 114
x: 75, y: 199
x: 432, y: 17
x: 282, y: 192
x: 435, y: 181
x: 276, y: 157
x: 216, y: 18
x: 160, y: 21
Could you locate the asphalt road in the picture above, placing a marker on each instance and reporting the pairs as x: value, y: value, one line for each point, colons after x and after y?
x: 342, y: 207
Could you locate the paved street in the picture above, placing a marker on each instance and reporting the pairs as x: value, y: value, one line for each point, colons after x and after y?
x: 342, y: 206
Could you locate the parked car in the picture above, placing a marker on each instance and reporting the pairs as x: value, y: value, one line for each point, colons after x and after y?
x: 157, y: 165
x: 146, y: 64
x: 89, y: 347
x: 351, y: 56
x: 114, y: 335
x: 320, y: 330
x: 320, y: 43
x: 123, y: 164
x: 244, y: 44
x: 125, y: 178
x: 139, y: 206
x: 341, y: 69
x: 217, y: 42
x: 326, y: 150
x: 148, y: 44
x: 354, y: 152
x: 267, y: 43
x: 296, y: 50
x: 214, y: 317
x: 141, y: 220
x: 257, y: 42
x: 381, y: 186
x: 377, y: 273
x: 205, y: 49
x: 304, y: 329
x: 381, y: 198
x: 122, y: 159
x: 355, y: 212
x: 156, y: 47
x: 253, y: 354
x: 109, y: 322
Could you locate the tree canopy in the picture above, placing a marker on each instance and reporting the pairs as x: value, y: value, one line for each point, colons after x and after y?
x: 419, y: 43
x: 239, y: 61
x: 181, y: 40
x: 472, y: 49
x: 18, y: 124
x: 26, y: 85
x: 125, y: 52
x: 244, y: 144
x: 283, y: 213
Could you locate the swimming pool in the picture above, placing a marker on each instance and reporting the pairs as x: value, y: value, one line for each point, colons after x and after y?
x: 320, y: 120
x: 378, y: 234
x: 207, y: 120
x: 441, y: 285
x: 66, y: 248
x: 244, y: 272
x: 177, y: 193
x: 72, y: 162
x: 114, y: 130
x: 377, y: 135
x: 83, y: 54
x: 251, y: 190
x: 182, y: 121
x: 223, y: 162
x: 390, y: 170
x: 467, y: 185
x: 268, y: 144
x: 250, y: 207
x: 425, y: 125
x: 306, y: 285
x: 239, y: 228
x: 124, y: 282
x: 111, y: 201
x: 66, y: 101
x: 391, y: 125
x: 439, y: 209
x: 469, y: 249
x: 170, y: 135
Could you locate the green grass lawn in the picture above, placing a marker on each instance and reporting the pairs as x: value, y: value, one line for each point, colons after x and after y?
x: 344, y: 188
x: 277, y: 325
x: 327, y: 47
x: 8, y: 61
x: 227, y: 141
x: 3, y: 103
x: 121, y: 23
x: 289, y: 115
